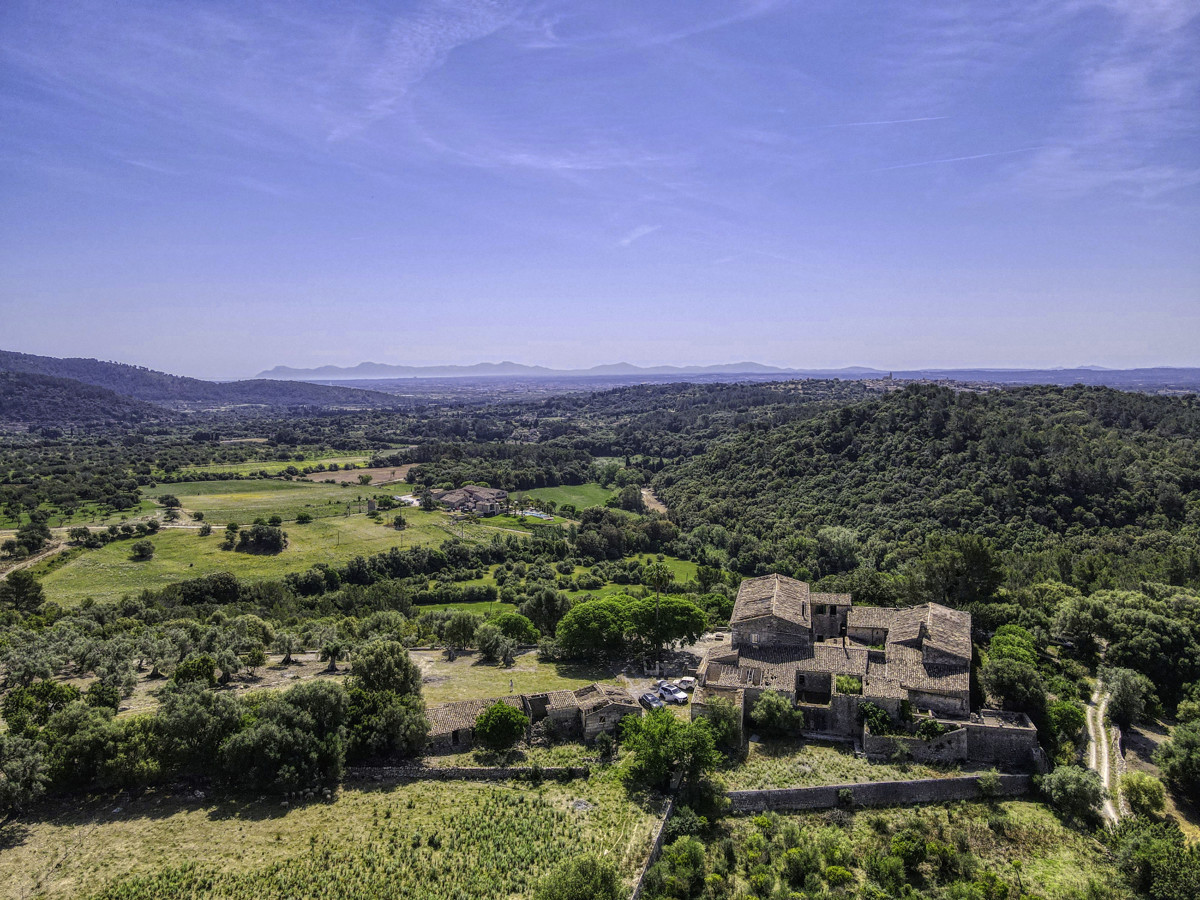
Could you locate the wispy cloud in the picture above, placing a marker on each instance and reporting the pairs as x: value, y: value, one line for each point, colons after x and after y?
x: 637, y: 234
x: 954, y: 159
x: 888, y: 122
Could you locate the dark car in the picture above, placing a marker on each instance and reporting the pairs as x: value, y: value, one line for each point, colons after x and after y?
x: 651, y: 701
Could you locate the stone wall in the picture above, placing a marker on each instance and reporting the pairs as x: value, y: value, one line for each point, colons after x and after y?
x: 879, y: 793
x: 993, y: 741
x: 655, y: 849
x: 463, y: 773
x: 771, y: 631
x: 950, y: 747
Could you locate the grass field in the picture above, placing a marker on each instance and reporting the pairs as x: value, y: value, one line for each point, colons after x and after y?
x: 244, y: 501
x: 779, y: 764
x: 273, y: 466
x: 437, y: 840
x: 179, y: 553
x: 469, y: 678
x: 580, y: 495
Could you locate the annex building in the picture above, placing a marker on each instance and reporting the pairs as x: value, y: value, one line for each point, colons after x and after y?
x: 829, y: 657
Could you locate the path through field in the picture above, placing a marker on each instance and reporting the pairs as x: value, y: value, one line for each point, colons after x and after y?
x: 1098, y: 748
x: 652, y: 502
x: 35, y: 559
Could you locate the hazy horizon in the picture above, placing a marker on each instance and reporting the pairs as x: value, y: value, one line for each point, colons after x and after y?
x: 217, y: 189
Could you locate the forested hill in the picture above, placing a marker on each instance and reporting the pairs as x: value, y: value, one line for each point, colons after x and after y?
x: 176, y: 390
x: 1030, y: 468
x: 41, y: 400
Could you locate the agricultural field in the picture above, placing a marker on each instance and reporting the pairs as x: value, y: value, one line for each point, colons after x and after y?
x: 274, y: 466
x: 579, y: 495
x: 243, y: 501
x: 437, y: 840
x: 961, y: 849
x: 788, y: 763
x: 180, y: 552
x: 468, y: 677
x: 382, y: 475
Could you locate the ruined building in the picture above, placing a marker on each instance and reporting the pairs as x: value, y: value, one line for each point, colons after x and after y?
x: 829, y: 657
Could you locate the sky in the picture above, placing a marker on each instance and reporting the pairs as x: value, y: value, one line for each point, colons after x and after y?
x: 215, y: 188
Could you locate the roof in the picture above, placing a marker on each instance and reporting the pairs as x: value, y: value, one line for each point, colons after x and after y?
x: 561, y: 700
x: 767, y: 668
x: 463, y: 713
x: 831, y: 599
x: 772, y: 595
x: 597, y: 696
x: 470, y: 493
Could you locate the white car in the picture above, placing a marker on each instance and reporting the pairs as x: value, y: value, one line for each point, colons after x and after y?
x: 672, y: 693
x: 688, y: 683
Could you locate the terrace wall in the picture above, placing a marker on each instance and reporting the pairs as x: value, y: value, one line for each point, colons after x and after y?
x: 878, y: 793
x: 463, y: 773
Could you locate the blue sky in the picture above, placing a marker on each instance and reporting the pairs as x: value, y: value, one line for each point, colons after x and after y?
x: 216, y: 188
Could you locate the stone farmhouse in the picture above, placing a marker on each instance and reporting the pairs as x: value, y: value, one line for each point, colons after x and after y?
x: 471, y: 498
x: 582, y: 713
x: 829, y: 657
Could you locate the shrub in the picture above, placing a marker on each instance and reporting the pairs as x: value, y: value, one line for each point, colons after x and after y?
x: 500, y: 726
x: 1144, y: 793
x: 585, y: 877
x: 303, y: 518
x: 142, y: 550
x: 837, y: 876
x: 196, y: 668
x: 685, y: 823
x: 1179, y: 758
x: 848, y: 684
x: 1129, y: 694
x: 989, y: 785
x: 774, y: 715
x: 262, y: 538
x: 1076, y: 793
x: 103, y: 694
x: 876, y: 718
x: 931, y: 729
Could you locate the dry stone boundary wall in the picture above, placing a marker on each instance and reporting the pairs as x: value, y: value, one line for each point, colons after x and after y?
x: 465, y: 773
x: 876, y: 793
x: 655, y: 849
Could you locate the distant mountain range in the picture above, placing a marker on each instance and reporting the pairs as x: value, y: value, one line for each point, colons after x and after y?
x: 1148, y: 379
x: 370, y: 370
x: 40, y: 388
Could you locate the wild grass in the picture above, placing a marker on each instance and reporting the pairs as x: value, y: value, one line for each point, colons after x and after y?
x: 787, y: 763
x: 436, y: 840
x: 469, y: 677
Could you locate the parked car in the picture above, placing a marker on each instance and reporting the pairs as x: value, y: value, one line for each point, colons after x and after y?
x: 672, y: 693
x: 688, y: 683
x: 651, y: 701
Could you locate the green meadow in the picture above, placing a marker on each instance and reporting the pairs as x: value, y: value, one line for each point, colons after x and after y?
x: 179, y: 553
x: 243, y: 501
x: 579, y: 495
x: 273, y: 466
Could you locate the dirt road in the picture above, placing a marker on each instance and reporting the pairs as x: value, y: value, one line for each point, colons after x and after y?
x: 1099, y: 743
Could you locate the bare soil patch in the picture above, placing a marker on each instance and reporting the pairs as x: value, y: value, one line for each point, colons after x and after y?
x: 380, y: 475
x: 652, y: 502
